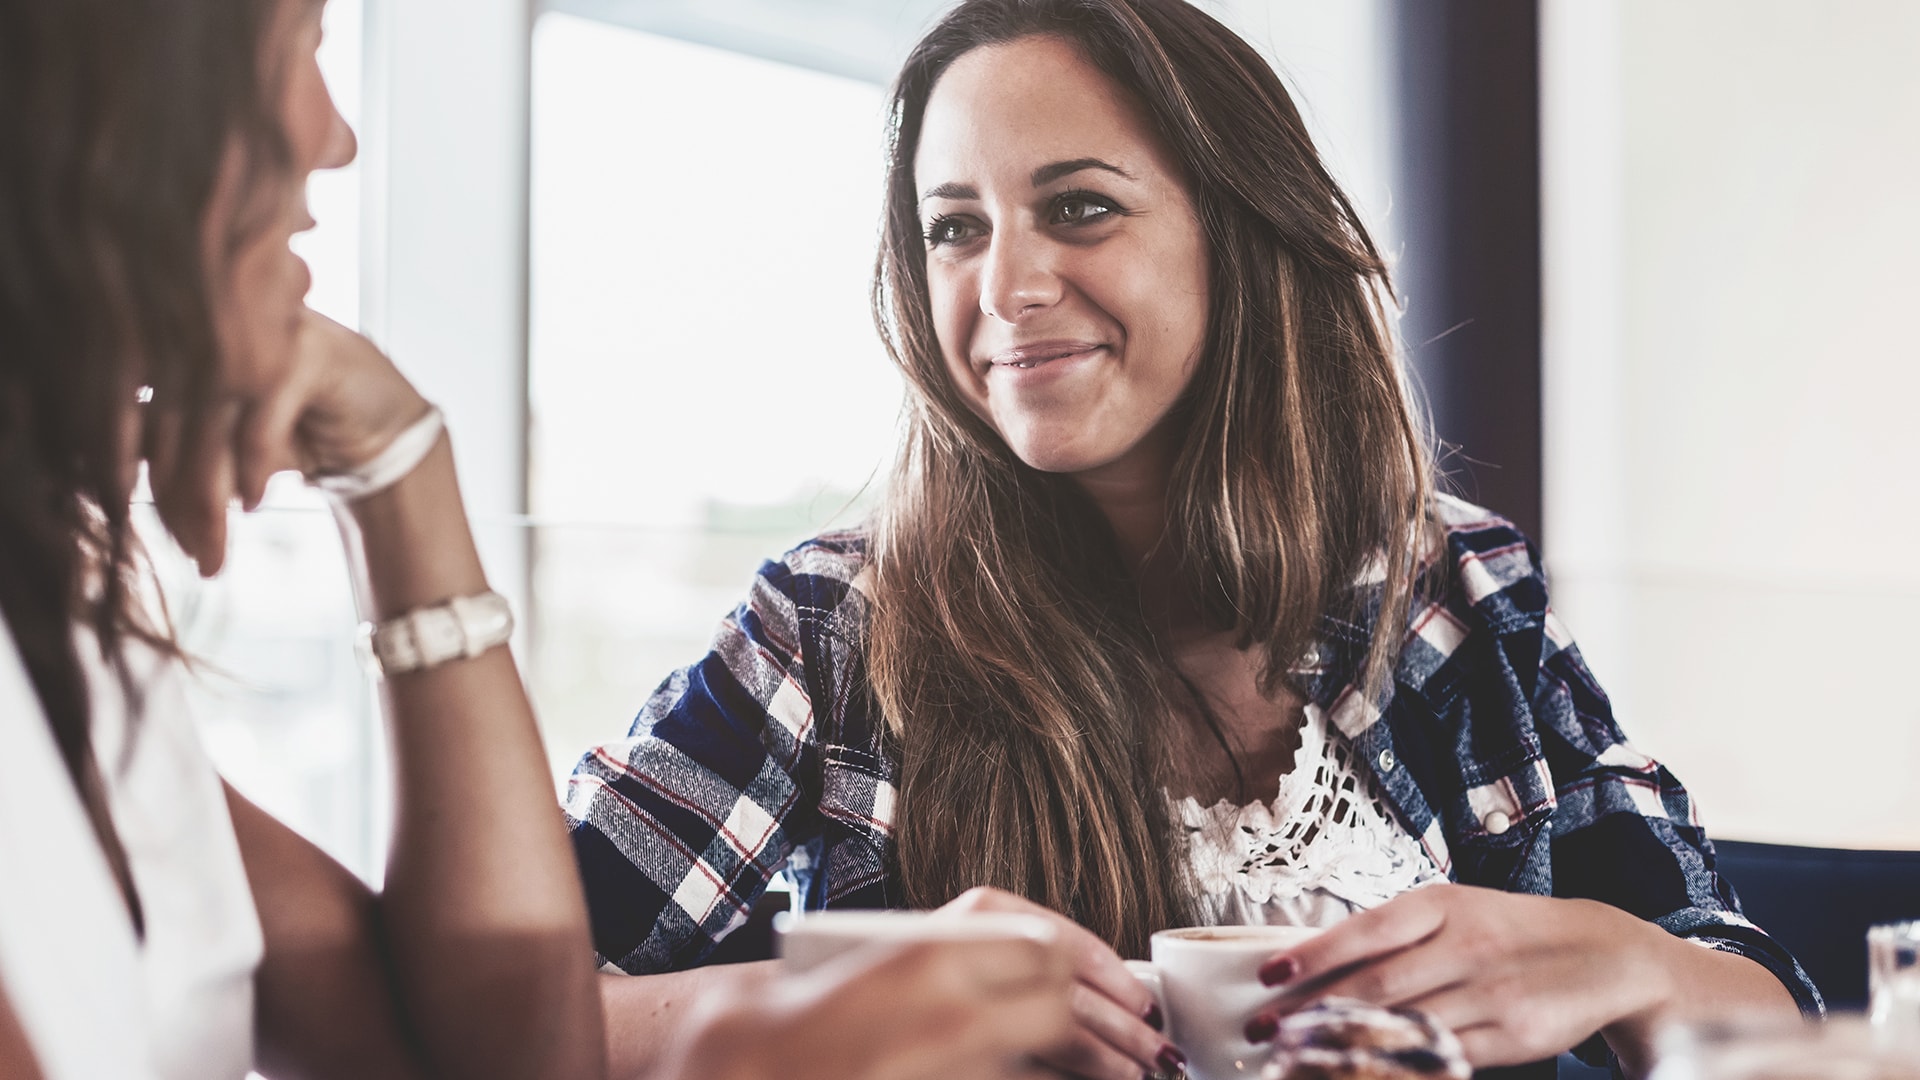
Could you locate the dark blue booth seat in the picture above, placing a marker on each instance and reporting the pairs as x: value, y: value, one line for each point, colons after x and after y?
x: 1818, y: 902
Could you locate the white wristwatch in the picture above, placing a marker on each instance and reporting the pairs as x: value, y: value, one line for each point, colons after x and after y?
x: 461, y: 628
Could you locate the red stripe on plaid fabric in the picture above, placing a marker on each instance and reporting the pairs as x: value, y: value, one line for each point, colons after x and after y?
x: 719, y: 824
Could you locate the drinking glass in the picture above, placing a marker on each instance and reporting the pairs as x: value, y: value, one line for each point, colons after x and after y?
x: 1893, y: 977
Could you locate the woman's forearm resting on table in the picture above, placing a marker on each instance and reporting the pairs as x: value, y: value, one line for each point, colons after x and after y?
x: 644, y: 1012
x: 1686, y: 981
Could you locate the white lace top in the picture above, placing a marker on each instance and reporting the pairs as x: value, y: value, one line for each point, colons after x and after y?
x: 1325, y: 847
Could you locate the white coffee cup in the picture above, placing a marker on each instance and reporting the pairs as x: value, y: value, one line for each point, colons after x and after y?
x: 1207, y: 980
x: 809, y: 940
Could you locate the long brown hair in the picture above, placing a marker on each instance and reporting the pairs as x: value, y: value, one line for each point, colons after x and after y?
x: 1008, y: 650
x: 114, y: 119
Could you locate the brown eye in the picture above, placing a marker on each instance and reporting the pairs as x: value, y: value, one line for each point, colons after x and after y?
x: 948, y: 231
x: 1079, y: 209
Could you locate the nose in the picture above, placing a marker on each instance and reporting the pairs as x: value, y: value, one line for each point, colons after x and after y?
x: 1018, y: 278
x: 341, y: 145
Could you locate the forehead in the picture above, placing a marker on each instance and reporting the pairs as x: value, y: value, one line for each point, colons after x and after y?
x: 1002, y: 110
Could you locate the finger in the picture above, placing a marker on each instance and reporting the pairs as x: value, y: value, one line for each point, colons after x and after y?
x: 1527, y: 1014
x: 192, y: 494
x: 1022, y: 1027
x: 160, y: 443
x: 356, y: 401
x: 1458, y: 1008
x: 1008, y: 963
x: 264, y: 443
x: 1102, y: 969
x: 1491, y: 1045
x: 945, y: 1017
x: 1088, y: 1056
x: 1491, y: 1034
x: 1396, y: 979
x: 996, y: 1033
x: 1095, y: 963
x: 1119, y: 1028
x: 1370, y: 935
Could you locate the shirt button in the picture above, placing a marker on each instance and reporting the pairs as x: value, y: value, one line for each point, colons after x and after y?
x: 1387, y: 761
x: 1496, y: 823
x: 1312, y: 658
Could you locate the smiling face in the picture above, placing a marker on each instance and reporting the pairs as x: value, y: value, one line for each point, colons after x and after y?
x: 259, y: 287
x: 1066, y: 266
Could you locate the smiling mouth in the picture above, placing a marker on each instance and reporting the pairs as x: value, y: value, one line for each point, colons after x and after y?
x: 1032, y: 356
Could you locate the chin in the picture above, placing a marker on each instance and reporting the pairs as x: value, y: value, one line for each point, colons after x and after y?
x: 1057, y: 456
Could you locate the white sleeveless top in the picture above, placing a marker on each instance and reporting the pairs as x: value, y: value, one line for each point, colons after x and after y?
x: 94, y: 1000
x: 1325, y: 847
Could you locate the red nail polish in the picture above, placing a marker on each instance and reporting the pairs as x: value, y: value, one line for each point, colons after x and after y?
x: 1275, y: 972
x: 1153, y: 1018
x: 1171, y: 1060
x: 1262, y: 1028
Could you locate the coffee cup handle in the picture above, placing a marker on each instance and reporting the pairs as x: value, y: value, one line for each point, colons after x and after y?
x: 1149, y: 977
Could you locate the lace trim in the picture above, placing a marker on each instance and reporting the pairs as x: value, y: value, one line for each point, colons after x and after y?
x: 1327, y: 829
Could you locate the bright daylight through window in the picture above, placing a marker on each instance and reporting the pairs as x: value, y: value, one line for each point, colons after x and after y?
x: 706, y: 385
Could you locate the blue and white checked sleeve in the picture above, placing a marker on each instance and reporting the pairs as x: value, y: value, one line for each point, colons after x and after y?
x: 678, y: 827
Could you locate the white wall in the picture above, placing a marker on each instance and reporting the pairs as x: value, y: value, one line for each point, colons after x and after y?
x: 1733, y: 502
x: 1337, y: 61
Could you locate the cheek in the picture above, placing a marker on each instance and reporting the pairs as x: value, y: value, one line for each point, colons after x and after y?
x: 1184, y: 300
x: 952, y: 326
x: 259, y: 314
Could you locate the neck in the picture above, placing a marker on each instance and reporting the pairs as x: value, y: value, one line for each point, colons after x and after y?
x: 1131, y: 494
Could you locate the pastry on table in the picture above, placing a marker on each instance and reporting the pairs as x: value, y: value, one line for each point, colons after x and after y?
x: 1345, y: 1039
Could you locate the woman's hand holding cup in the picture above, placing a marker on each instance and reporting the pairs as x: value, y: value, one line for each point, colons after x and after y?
x: 1208, y: 981
x: 1116, y: 1020
x: 886, y: 1006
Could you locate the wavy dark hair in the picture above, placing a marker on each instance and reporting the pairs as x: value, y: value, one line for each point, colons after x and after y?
x: 116, y: 117
x: 1008, y: 647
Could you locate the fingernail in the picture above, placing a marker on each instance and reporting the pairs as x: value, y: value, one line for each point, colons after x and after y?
x: 1275, y: 972
x: 1171, y: 1060
x: 1262, y: 1028
x: 1153, y: 1018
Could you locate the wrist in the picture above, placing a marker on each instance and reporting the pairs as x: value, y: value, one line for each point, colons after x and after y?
x: 413, y: 545
x: 1649, y: 991
x: 397, y: 454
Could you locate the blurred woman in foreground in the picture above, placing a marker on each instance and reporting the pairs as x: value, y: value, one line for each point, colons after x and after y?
x: 153, y: 160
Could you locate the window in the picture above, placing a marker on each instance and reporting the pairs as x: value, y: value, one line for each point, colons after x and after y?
x: 706, y: 385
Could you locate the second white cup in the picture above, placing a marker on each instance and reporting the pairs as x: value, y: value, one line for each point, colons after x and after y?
x: 807, y: 941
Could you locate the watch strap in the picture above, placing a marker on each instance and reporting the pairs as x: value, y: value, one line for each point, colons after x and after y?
x: 427, y: 637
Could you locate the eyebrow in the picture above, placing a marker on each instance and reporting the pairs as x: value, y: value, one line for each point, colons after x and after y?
x: 1045, y: 174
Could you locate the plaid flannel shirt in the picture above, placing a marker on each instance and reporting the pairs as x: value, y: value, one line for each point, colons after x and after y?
x: 1494, y: 745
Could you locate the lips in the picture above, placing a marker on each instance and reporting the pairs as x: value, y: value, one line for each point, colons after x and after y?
x: 1027, y: 357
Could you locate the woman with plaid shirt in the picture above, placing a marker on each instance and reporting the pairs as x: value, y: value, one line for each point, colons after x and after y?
x: 1162, y: 539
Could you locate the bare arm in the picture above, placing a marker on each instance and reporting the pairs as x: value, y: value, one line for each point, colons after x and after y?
x: 482, y: 908
x: 323, y: 998
x: 644, y: 1012
x: 1690, y: 983
x: 482, y: 924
